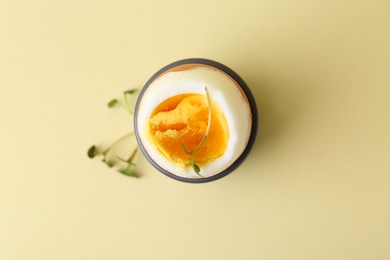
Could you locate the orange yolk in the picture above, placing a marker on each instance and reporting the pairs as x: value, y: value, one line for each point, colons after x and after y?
x: 182, y: 120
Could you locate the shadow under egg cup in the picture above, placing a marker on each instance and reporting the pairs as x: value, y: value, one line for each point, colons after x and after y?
x: 185, y: 65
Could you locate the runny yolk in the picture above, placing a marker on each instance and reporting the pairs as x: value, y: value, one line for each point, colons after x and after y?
x: 182, y: 121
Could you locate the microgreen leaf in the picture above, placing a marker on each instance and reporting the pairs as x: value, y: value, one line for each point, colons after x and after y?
x: 113, y: 103
x: 92, y: 152
x: 128, y: 173
x: 197, y: 169
x: 130, y: 91
x: 195, y: 166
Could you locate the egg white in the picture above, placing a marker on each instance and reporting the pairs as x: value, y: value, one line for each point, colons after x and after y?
x: 223, y: 90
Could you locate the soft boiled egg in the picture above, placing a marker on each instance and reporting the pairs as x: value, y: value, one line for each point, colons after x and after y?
x: 194, y: 111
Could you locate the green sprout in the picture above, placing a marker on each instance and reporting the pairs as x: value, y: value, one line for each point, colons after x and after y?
x: 199, y: 147
x: 93, y: 151
x: 126, y: 105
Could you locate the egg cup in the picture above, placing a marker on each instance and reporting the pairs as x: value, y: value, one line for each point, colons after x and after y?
x: 226, y: 88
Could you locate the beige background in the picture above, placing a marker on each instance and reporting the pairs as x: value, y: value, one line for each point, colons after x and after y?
x: 316, y: 185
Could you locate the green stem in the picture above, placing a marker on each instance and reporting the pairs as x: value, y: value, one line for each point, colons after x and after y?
x: 200, y: 148
x: 200, y: 145
x: 126, y: 107
x: 119, y: 140
x: 127, y: 104
x: 131, y: 158
x: 210, y: 113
